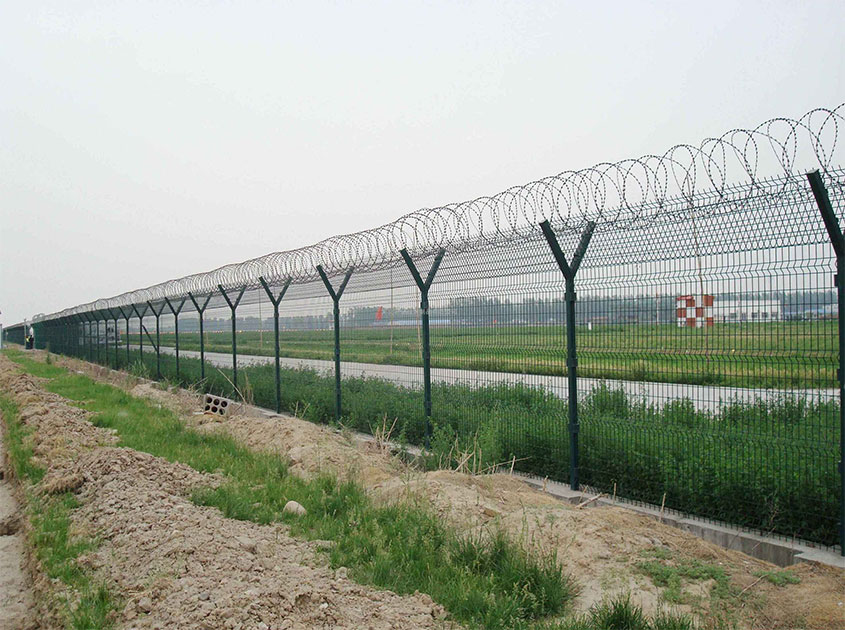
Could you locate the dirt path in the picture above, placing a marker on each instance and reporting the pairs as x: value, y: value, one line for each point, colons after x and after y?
x: 15, y: 594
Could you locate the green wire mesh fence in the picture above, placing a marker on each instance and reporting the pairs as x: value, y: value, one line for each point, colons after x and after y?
x: 665, y: 329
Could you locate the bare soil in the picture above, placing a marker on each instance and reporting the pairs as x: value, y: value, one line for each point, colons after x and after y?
x: 601, y: 547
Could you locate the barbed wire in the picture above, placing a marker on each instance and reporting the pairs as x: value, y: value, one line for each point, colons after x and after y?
x: 618, y: 195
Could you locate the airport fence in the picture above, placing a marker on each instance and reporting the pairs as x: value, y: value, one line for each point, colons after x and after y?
x: 665, y: 330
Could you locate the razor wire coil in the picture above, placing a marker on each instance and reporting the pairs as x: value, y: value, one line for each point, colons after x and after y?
x: 620, y: 195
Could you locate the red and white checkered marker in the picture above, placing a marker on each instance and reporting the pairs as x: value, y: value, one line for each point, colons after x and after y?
x: 694, y: 311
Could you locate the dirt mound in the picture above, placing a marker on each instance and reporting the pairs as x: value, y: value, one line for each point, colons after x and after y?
x: 142, y: 471
x: 605, y: 547
x: 181, y: 565
x: 59, y: 430
x: 180, y: 401
x: 311, y: 449
x: 466, y: 500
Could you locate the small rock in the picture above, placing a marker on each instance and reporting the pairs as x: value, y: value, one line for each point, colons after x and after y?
x: 203, y: 596
x: 341, y: 574
x: 293, y: 507
x: 9, y: 525
x: 246, y: 543
x: 145, y: 604
x: 226, y: 613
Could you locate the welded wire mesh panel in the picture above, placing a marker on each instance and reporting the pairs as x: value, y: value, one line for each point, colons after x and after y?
x: 15, y: 334
x: 716, y: 353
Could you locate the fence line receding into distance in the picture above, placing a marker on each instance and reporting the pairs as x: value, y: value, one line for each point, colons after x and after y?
x: 667, y: 329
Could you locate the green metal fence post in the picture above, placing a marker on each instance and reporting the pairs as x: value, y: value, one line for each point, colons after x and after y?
x: 831, y: 223
x: 106, y: 337
x: 90, y: 340
x: 98, y: 339
x: 335, y: 295
x: 424, y: 286
x: 105, y: 315
x: 82, y: 349
x: 158, y: 337
x: 75, y: 333
x: 176, y: 312
x: 275, y: 301
x: 86, y: 328
x: 201, y: 310
x: 140, y: 330
x: 127, y: 315
x: 116, y: 353
x: 105, y: 340
x: 569, y: 272
x: 233, y: 306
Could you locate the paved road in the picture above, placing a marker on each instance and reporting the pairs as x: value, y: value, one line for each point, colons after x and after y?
x: 704, y: 397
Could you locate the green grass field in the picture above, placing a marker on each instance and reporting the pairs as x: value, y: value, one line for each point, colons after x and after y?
x: 777, y: 354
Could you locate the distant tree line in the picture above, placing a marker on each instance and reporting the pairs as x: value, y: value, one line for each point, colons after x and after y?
x: 486, y: 311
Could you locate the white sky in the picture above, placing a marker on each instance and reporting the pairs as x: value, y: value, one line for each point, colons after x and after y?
x: 145, y: 141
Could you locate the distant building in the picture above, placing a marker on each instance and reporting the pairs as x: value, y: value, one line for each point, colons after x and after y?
x: 738, y: 311
x: 694, y: 311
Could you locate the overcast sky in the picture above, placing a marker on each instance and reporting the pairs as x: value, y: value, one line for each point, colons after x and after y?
x: 144, y: 141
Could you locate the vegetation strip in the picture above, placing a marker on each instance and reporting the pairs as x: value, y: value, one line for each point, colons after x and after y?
x: 773, y: 354
x: 737, y: 465
x: 485, y: 582
x: 89, y: 603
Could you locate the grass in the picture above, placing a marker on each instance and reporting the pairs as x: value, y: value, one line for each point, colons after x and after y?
x: 54, y: 546
x: 620, y: 614
x: 775, y: 354
x: 672, y: 572
x: 768, y: 465
x: 484, y: 582
x: 779, y: 578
